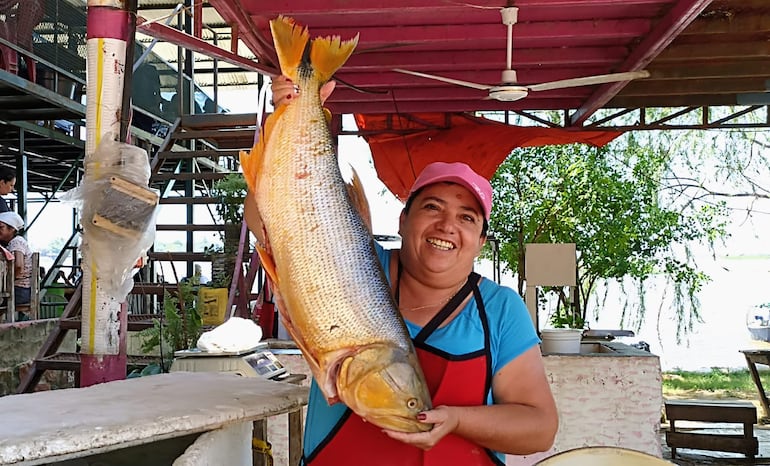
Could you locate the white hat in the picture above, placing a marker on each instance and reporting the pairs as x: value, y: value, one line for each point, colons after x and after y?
x: 12, y: 219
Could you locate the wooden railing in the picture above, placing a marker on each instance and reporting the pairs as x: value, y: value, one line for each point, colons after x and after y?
x: 8, y: 307
x: 7, y: 290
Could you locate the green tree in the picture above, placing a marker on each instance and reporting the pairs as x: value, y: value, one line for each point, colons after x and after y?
x: 610, y: 203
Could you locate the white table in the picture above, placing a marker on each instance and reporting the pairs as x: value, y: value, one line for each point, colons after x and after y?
x: 54, y: 426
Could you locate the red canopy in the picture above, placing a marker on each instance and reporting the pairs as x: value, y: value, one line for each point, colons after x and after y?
x: 419, y: 139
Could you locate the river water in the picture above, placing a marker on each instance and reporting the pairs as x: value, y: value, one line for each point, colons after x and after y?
x: 737, y: 285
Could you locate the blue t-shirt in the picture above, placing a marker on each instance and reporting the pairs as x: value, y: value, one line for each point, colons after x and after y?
x: 511, y: 334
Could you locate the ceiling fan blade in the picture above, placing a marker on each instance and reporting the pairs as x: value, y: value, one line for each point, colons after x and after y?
x: 482, y: 87
x: 589, y: 80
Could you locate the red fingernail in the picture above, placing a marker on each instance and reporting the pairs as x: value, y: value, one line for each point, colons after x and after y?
x: 421, y: 417
x: 288, y: 97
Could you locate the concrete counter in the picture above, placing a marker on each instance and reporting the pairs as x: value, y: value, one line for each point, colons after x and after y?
x: 609, y: 395
x: 49, y: 427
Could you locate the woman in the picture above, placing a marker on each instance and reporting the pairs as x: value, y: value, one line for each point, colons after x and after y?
x: 475, y: 340
x: 10, y: 225
x: 7, y: 183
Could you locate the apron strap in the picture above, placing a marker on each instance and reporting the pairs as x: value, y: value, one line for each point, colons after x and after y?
x: 448, y: 309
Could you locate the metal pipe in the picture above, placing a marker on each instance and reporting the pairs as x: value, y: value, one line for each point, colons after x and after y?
x: 147, y: 51
x: 104, y: 322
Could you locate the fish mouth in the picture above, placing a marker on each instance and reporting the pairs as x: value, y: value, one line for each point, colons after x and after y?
x: 399, y: 423
x: 441, y: 244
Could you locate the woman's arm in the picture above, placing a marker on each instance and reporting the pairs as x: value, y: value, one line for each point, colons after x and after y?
x: 523, y: 419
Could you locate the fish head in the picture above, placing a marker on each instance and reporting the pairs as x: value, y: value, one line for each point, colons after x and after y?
x: 385, y: 385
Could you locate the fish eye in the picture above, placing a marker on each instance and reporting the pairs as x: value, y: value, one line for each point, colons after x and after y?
x: 411, y: 403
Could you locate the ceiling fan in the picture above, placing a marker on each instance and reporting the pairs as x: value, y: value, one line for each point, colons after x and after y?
x: 509, y: 90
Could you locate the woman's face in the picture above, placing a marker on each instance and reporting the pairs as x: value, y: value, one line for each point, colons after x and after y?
x: 442, y: 229
x: 6, y: 233
x: 7, y: 186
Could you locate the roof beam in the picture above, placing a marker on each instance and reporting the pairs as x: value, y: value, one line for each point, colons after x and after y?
x: 453, y: 33
x: 714, y: 51
x: 449, y: 106
x: 175, y: 36
x: 664, y: 33
x: 485, y: 59
x: 233, y: 13
x: 345, y: 94
x: 733, y: 69
x: 526, y: 75
x: 323, y: 7
x: 695, y: 86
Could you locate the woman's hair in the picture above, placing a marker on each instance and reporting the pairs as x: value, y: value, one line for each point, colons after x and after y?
x: 7, y: 174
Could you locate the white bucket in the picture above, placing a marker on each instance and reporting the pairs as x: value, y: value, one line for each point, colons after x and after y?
x: 561, y: 340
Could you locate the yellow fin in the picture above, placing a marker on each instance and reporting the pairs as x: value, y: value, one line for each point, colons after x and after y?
x: 315, y: 367
x: 327, y: 54
x: 251, y: 162
x: 358, y: 199
x: 268, y: 264
x: 310, y: 358
x: 253, y: 218
x: 290, y: 40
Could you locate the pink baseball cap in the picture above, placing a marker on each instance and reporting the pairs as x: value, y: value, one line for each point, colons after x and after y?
x: 461, y: 174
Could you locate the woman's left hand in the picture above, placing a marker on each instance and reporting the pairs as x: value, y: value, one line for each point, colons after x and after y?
x: 445, y: 420
x: 284, y: 90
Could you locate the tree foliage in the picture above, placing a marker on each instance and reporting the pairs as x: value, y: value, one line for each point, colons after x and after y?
x: 610, y: 202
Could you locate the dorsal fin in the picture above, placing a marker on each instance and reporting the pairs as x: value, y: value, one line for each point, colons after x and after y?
x: 358, y: 199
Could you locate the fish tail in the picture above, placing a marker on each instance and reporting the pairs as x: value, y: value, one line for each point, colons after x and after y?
x: 328, y: 54
x: 290, y: 42
x: 324, y: 55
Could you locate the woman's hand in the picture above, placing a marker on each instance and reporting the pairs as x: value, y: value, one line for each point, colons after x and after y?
x: 445, y: 420
x: 284, y: 90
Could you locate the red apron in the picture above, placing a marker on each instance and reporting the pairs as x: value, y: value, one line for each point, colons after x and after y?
x: 457, y: 380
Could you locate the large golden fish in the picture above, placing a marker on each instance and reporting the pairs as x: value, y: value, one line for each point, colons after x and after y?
x: 336, y: 301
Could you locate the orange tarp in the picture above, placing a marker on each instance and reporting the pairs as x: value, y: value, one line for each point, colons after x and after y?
x: 483, y: 144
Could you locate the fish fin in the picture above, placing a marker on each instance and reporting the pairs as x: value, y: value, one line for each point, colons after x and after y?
x: 327, y: 54
x: 252, y: 161
x: 290, y: 40
x: 358, y: 199
x: 268, y: 264
x: 253, y: 218
x: 312, y: 362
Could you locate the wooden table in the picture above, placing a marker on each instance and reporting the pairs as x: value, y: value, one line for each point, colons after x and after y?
x: 754, y: 357
x: 143, y: 415
x: 728, y: 411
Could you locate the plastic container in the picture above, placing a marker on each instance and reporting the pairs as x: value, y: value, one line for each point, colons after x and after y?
x: 561, y: 340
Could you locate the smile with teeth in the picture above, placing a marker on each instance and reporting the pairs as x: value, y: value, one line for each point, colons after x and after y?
x: 441, y: 244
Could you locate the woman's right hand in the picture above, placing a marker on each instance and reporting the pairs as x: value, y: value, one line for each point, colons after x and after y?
x: 284, y: 90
